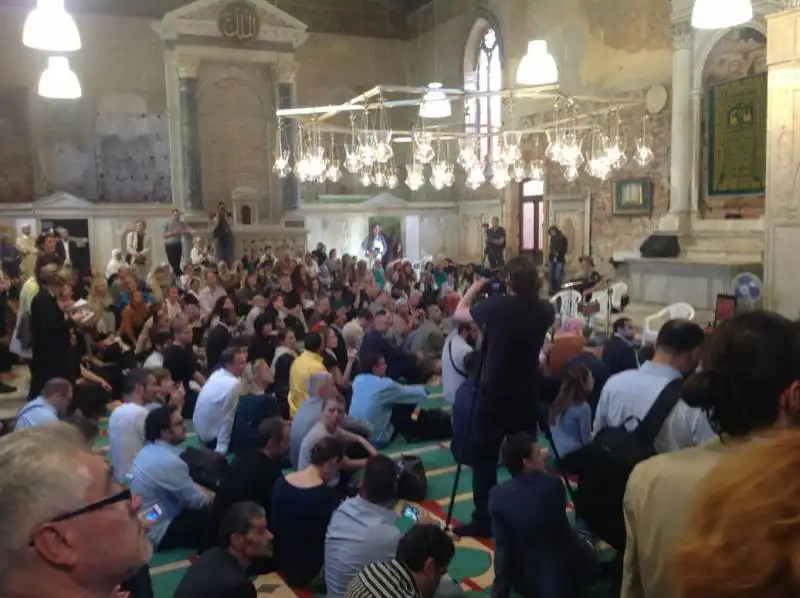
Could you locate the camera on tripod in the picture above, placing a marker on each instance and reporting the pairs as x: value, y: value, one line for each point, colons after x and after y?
x: 496, y: 285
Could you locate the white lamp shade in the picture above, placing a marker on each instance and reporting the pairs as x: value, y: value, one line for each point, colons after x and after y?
x: 58, y: 81
x: 49, y: 27
x: 538, y: 67
x: 721, y: 14
x: 435, y: 103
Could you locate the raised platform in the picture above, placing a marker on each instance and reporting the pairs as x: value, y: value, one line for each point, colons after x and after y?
x: 696, y: 280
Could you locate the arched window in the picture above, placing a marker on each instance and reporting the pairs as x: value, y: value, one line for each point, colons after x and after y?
x: 484, y: 72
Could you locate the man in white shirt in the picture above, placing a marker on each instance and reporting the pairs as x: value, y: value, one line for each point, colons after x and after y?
x: 629, y: 395
x: 126, y: 424
x: 210, y: 294
x: 217, y: 401
x: 457, y: 346
x: 354, y: 330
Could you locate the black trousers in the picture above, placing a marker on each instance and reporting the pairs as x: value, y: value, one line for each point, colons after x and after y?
x: 140, y: 585
x: 174, y: 254
x: 497, y: 415
x: 191, y: 529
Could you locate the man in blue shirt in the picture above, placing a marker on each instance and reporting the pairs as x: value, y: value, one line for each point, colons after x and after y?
x: 48, y: 408
x: 383, y: 403
x: 160, y: 477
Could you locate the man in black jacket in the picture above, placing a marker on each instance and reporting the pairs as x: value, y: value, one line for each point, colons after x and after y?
x: 220, y: 337
x: 558, y: 248
x: 618, y: 352
x: 221, y: 570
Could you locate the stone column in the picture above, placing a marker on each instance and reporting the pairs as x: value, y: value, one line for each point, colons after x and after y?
x: 782, y: 217
x: 681, y: 139
x: 290, y: 186
x: 188, y: 73
x: 697, y: 123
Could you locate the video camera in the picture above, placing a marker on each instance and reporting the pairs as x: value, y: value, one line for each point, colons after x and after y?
x: 496, y: 284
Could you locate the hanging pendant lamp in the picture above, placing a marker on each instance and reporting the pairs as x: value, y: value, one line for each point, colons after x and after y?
x: 49, y: 27
x: 721, y: 14
x: 435, y: 103
x: 58, y: 81
x: 538, y: 67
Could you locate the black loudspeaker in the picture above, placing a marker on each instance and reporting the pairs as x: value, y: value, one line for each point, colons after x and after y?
x: 660, y: 246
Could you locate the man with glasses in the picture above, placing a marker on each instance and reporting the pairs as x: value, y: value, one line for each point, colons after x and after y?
x: 161, y: 477
x: 64, y: 521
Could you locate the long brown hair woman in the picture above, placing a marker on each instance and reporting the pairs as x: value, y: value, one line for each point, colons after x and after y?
x: 742, y: 539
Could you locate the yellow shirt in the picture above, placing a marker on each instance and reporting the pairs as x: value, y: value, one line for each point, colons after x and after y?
x: 305, y: 366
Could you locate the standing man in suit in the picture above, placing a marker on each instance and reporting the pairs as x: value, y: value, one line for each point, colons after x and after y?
x: 137, y: 247
x: 67, y: 249
x: 244, y: 537
x: 175, y: 230
x: 495, y: 244
x: 559, y: 246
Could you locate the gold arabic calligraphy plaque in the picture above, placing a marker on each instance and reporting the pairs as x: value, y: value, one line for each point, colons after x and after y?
x: 239, y: 22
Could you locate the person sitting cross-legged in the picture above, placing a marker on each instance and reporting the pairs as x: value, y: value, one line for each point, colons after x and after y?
x: 536, y: 551
x: 320, y: 387
x: 216, y: 405
x: 51, y: 405
x: 220, y: 571
x: 160, y: 477
x: 423, y: 555
x: 253, y: 474
x: 363, y: 529
x: 302, y: 505
x: 255, y: 405
x: 330, y: 423
x: 385, y: 404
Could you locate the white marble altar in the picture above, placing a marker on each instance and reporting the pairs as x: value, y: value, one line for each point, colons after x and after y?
x: 696, y: 281
x: 436, y: 229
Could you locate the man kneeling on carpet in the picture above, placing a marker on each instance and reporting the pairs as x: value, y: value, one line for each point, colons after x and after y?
x: 243, y: 537
x: 536, y: 551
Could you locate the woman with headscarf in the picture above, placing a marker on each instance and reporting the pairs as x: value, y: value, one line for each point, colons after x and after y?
x: 115, y: 263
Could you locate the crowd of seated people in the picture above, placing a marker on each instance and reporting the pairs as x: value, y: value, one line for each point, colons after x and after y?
x: 295, y: 373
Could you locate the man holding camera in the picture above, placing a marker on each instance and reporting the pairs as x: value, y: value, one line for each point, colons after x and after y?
x: 514, y: 324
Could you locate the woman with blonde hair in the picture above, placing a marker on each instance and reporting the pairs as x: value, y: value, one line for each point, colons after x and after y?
x: 255, y: 405
x: 742, y: 538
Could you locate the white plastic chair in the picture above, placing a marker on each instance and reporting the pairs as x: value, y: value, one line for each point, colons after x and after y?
x: 570, y: 300
x: 618, y: 291
x: 675, y: 311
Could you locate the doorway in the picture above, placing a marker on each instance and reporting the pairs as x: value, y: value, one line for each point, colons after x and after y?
x: 532, y: 221
x: 78, y: 229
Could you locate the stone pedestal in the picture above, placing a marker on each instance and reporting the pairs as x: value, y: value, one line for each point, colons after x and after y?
x: 782, y: 218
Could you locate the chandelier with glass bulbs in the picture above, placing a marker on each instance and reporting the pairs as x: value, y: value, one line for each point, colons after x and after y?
x: 583, y: 134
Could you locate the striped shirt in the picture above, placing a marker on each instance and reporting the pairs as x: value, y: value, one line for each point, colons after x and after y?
x: 388, y: 579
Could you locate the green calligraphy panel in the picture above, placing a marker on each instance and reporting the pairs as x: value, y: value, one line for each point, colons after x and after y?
x: 737, y: 136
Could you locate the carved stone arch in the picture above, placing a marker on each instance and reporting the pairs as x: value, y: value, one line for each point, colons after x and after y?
x: 483, y: 20
x: 706, y: 46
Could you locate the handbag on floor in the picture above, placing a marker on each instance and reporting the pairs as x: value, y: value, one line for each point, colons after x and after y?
x: 205, y: 466
x: 412, y: 481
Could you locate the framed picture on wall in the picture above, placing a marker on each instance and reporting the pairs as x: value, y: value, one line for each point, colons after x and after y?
x: 633, y: 197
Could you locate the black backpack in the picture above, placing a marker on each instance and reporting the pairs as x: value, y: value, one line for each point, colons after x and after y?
x: 609, y: 461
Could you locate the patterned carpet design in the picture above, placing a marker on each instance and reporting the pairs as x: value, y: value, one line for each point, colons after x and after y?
x: 471, y: 568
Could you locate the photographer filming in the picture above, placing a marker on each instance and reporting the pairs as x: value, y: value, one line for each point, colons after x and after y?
x: 514, y: 325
